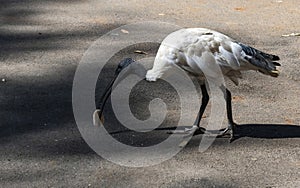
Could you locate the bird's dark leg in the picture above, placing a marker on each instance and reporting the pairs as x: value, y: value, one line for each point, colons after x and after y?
x: 229, y: 107
x: 205, y: 99
x: 231, y: 124
x: 196, y: 126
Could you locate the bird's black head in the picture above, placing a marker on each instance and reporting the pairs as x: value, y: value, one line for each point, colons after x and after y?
x: 123, y: 64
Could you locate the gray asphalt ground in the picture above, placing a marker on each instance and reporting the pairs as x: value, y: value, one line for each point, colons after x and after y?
x: 41, y: 44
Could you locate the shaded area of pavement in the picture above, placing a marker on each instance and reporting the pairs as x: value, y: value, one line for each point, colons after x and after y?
x: 41, y: 43
x: 269, y: 131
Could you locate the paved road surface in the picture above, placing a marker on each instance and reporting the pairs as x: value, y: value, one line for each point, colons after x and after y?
x: 42, y: 43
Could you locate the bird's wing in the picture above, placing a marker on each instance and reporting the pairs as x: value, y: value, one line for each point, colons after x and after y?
x: 200, y: 51
x: 254, y: 52
x: 260, y: 59
x: 187, y: 47
x: 253, y: 59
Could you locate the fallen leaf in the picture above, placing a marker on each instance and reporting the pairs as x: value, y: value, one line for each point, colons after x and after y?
x: 114, y: 34
x: 254, y: 159
x: 140, y: 52
x: 297, y: 163
x: 237, y: 98
x: 240, y: 8
x: 124, y: 31
x: 291, y: 35
x: 288, y: 121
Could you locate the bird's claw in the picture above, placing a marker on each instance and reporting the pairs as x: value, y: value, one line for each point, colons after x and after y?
x: 191, y: 130
x: 229, y: 131
x: 188, y: 131
x: 224, y: 132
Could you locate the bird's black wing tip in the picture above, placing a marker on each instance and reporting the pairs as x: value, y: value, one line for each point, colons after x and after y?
x: 276, y: 58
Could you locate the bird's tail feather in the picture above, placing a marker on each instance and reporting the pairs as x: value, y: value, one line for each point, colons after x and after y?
x: 265, y: 62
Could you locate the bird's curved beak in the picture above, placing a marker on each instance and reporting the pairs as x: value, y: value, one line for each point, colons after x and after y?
x: 98, y: 118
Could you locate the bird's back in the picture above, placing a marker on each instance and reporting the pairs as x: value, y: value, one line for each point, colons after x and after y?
x: 186, y: 48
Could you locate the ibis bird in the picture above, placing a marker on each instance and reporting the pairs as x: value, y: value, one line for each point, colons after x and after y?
x: 192, y: 49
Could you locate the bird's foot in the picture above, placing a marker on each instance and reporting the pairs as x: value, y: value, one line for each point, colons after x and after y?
x: 189, y: 131
x: 229, y: 131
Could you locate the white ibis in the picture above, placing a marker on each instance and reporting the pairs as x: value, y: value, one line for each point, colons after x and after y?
x: 194, y: 48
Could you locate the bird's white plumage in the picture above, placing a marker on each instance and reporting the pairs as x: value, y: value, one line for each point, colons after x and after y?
x: 193, y: 49
x: 204, y: 53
